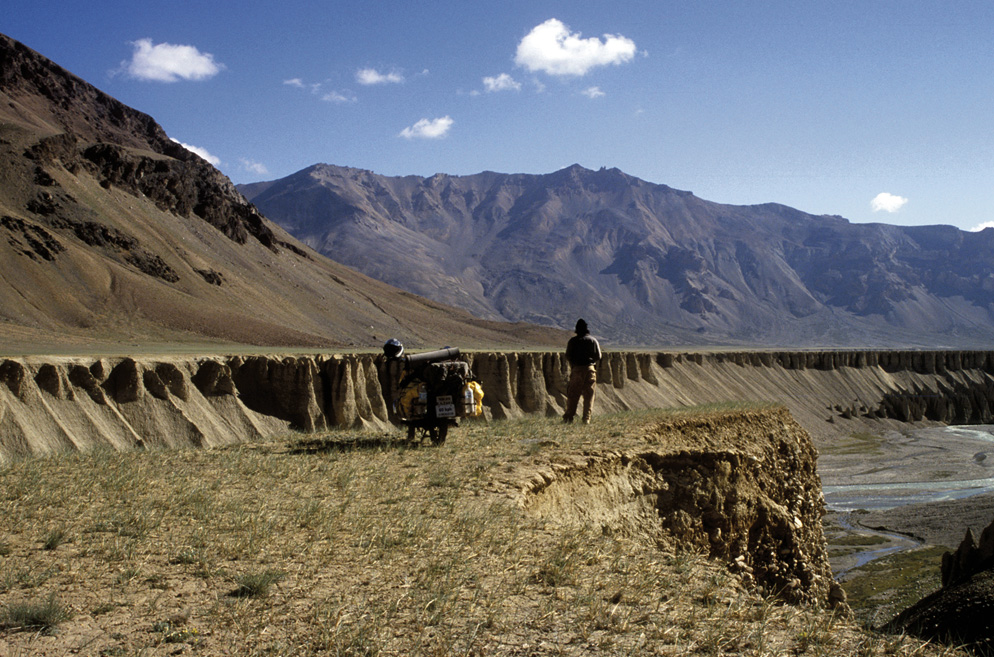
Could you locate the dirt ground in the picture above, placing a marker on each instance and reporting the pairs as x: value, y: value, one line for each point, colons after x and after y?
x: 939, y: 523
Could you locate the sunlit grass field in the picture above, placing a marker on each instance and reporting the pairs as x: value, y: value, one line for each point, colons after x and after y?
x: 357, y: 543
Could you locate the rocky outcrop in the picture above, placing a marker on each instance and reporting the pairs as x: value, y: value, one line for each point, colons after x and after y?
x: 738, y: 486
x: 122, y: 148
x: 185, y: 185
x: 962, y: 611
x: 969, y: 558
x: 181, y: 183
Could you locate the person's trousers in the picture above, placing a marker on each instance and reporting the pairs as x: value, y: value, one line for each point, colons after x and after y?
x: 581, y: 384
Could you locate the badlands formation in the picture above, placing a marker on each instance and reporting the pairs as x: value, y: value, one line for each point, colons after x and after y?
x: 51, y: 404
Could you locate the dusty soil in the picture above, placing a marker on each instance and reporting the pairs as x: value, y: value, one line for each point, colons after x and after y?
x: 939, y: 523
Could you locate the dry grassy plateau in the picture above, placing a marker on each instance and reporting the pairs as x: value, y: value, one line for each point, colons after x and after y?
x: 354, y: 543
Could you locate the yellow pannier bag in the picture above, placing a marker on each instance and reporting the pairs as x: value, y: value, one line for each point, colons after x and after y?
x: 412, y: 401
x: 473, y: 398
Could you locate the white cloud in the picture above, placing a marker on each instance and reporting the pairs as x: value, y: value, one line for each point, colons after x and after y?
x: 884, y: 202
x: 550, y: 47
x: 297, y: 83
x: 202, y: 152
x: 502, y: 82
x: 372, y: 76
x: 166, y: 62
x: 593, y: 92
x: 254, y: 167
x: 330, y: 96
x: 980, y: 227
x: 336, y: 97
x: 428, y: 129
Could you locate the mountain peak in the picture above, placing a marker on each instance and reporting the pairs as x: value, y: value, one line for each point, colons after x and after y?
x: 648, y: 264
x: 46, y: 97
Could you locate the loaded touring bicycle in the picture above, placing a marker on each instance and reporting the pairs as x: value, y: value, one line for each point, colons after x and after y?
x: 434, y: 391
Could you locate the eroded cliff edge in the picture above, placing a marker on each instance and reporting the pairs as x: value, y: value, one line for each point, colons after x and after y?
x: 738, y: 486
x: 55, y: 404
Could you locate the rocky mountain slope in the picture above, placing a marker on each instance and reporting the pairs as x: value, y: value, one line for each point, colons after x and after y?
x: 113, y: 236
x: 644, y: 263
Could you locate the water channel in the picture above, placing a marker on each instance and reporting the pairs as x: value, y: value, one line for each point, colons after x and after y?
x: 921, y: 466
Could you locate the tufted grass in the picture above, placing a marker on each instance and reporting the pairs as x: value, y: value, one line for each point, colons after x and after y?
x: 354, y: 543
x: 38, y: 615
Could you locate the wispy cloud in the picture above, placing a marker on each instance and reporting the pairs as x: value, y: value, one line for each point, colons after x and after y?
x: 593, y: 92
x: 252, y: 166
x: 980, y: 227
x: 166, y: 62
x: 202, y: 152
x: 372, y: 76
x: 502, y: 82
x: 337, y: 97
x: 553, y: 49
x: 428, y: 129
x: 316, y: 88
x: 884, y: 202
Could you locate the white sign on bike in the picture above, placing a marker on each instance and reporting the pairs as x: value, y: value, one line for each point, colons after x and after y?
x: 444, y: 406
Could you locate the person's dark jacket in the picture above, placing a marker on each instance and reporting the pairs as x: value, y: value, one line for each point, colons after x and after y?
x: 583, y: 350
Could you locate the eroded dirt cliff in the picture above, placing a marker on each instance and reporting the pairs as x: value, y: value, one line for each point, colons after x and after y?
x: 50, y: 404
x: 739, y: 486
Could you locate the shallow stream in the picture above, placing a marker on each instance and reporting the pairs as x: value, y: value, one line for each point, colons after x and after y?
x: 924, y: 465
x: 893, y: 543
x: 919, y: 466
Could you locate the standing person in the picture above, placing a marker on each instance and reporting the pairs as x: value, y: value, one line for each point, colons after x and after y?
x: 583, y: 353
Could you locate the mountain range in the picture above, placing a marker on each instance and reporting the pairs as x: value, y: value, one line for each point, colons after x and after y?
x: 113, y: 236
x: 643, y: 263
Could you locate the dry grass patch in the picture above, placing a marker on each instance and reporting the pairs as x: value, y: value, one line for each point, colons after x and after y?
x: 349, y: 543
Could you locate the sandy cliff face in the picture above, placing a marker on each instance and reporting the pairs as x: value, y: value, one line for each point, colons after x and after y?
x: 738, y: 486
x: 49, y: 405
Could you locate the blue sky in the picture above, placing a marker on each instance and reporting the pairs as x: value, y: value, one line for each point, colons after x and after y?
x: 873, y: 110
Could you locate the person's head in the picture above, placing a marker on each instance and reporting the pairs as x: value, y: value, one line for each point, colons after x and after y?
x: 581, y: 327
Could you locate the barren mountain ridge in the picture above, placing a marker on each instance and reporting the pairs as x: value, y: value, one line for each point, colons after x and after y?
x: 642, y: 262
x: 113, y: 234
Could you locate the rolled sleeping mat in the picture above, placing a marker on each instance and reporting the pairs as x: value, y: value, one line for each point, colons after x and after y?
x: 432, y: 356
